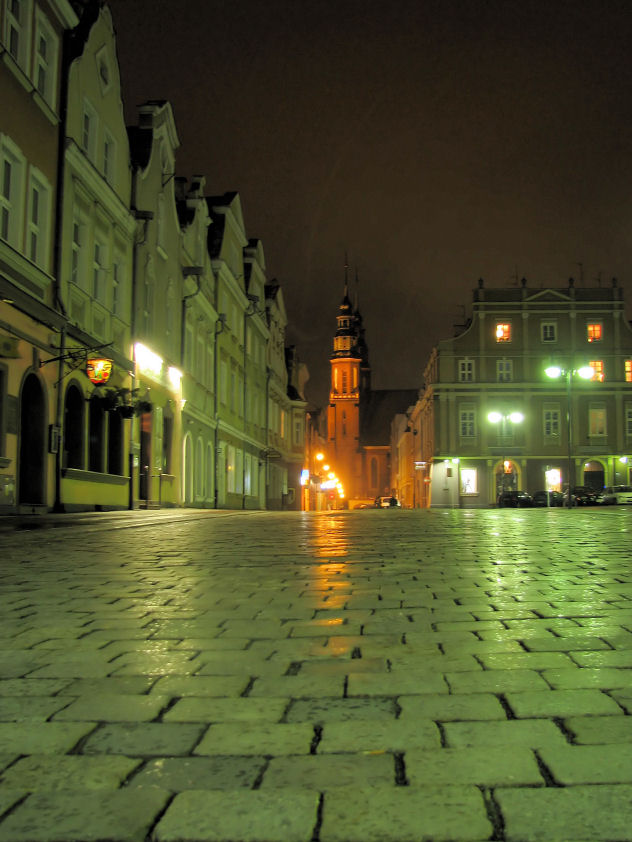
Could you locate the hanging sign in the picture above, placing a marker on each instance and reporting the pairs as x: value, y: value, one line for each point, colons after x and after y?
x: 98, y: 370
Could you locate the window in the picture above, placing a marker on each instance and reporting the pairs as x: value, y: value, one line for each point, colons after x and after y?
x: 597, y: 421
x: 12, y: 170
x: 628, y: 421
x: 298, y: 431
x: 551, y: 422
x: 16, y: 31
x: 469, y: 481
x: 89, y: 131
x: 199, y: 469
x: 96, y: 423
x: 117, y: 285
x: 504, y: 371
x: 597, y: 365
x: 223, y: 382
x: 115, y: 443
x: 467, y: 423
x: 74, y: 411
x: 45, y: 62
x: 98, y: 271
x: 37, y: 223
x: 239, y: 471
x: 503, y: 332
x: 76, y: 258
x: 628, y: 371
x: 108, y: 158
x: 466, y: 371
x: 230, y: 469
x: 345, y: 384
x: 594, y: 332
x: 548, y: 331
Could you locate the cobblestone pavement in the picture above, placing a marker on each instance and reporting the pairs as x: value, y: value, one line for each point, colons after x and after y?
x: 375, y: 676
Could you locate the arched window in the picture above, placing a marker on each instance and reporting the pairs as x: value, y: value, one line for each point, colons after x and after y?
x: 199, y: 470
x: 74, y: 411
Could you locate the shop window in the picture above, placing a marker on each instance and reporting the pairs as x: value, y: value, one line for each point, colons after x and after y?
x: 594, y: 332
x: 503, y: 332
x: 74, y: 411
x: 469, y: 481
x: 115, y: 443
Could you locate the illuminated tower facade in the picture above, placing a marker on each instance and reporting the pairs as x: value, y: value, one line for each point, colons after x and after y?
x: 350, y: 375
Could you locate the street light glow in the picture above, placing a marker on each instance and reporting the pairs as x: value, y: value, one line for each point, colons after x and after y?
x: 586, y: 372
x: 494, y: 417
x: 553, y: 371
x: 516, y: 417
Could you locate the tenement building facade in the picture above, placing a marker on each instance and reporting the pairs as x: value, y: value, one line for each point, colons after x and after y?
x: 534, y: 393
x: 142, y: 350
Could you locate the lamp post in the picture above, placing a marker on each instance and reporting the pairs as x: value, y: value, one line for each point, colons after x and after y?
x: 501, y: 419
x: 585, y: 372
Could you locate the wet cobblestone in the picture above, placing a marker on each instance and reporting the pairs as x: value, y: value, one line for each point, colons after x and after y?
x: 395, y: 676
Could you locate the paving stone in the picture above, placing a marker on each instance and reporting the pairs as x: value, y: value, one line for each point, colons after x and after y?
x: 527, y: 661
x: 533, y: 733
x: 47, y: 773
x: 604, y: 678
x: 395, y: 683
x: 377, y: 735
x: 600, y: 729
x: 621, y: 658
x: 273, y: 816
x: 143, y: 739
x: 42, y: 737
x: 486, y: 766
x: 594, y: 764
x: 35, y: 708
x: 260, y: 738
x: 561, y: 703
x: 570, y: 643
x: 495, y: 681
x: 124, y: 815
x: 329, y: 771
x: 591, y: 813
x: 213, y: 644
x: 177, y: 774
x: 442, y: 708
x: 343, y: 667
x: 32, y: 686
x: 301, y: 686
x: 405, y: 814
x: 199, y: 709
x: 241, y: 663
x: 126, y: 686
x: 217, y: 686
x: 153, y: 663
x: 338, y: 710
x: 112, y: 707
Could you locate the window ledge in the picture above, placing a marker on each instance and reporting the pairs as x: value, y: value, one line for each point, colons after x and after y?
x: 5, y: 461
x: 93, y: 476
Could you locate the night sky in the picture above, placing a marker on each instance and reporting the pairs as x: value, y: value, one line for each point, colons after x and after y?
x: 434, y: 141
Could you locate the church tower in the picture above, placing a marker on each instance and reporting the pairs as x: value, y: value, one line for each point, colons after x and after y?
x: 350, y: 376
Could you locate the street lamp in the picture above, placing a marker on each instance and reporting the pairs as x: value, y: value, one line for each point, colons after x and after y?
x: 501, y: 420
x: 585, y: 372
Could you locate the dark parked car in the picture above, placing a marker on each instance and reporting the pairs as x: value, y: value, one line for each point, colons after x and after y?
x: 555, y: 498
x: 582, y: 496
x: 514, y: 500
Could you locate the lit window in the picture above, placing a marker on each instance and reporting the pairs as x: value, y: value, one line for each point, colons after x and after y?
x: 551, y: 423
x: 594, y: 332
x: 597, y: 421
x: 597, y: 365
x: 504, y: 371
x: 344, y: 383
x: 548, y: 331
x: 503, y: 332
x: 469, y: 481
x: 628, y: 371
x: 466, y: 371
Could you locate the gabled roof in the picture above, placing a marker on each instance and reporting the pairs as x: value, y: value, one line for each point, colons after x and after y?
x: 378, y: 409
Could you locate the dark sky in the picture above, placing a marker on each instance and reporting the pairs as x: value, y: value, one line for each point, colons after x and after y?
x: 435, y: 141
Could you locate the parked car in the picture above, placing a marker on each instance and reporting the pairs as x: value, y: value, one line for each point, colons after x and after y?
x: 582, y: 496
x: 388, y: 502
x: 615, y: 495
x: 548, y: 498
x: 514, y: 500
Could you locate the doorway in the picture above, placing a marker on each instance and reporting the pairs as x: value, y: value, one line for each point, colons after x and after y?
x: 32, y: 443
